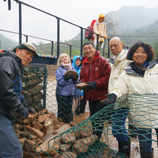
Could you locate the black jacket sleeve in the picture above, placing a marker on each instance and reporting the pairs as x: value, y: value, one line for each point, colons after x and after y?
x: 8, y: 69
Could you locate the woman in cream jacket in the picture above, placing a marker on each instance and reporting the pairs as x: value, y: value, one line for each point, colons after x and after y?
x: 136, y: 82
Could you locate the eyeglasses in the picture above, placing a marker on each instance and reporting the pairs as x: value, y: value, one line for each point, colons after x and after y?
x: 115, y: 45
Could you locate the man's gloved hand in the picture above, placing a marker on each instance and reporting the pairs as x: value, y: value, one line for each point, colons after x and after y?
x: 67, y: 77
x: 30, y: 109
x: 91, y: 85
x: 111, y: 99
x: 74, y: 78
x: 24, y: 103
x: 24, y: 112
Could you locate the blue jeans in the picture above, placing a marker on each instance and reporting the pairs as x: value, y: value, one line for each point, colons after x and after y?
x: 118, y: 127
x: 9, y: 144
x: 145, y: 139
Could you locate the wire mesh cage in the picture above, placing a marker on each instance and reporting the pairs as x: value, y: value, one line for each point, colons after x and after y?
x: 44, y: 134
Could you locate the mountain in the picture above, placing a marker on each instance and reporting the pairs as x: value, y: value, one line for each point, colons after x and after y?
x: 129, y: 18
x: 6, y: 43
x: 148, y: 34
x: 150, y: 29
x: 135, y: 24
x: 133, y: 17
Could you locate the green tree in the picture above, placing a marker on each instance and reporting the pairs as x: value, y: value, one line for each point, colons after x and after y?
x: 156, y: 48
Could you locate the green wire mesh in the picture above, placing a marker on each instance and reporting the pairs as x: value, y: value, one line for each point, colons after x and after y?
x: 45, y: 135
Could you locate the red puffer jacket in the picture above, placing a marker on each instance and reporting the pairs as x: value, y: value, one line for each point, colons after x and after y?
x: 98, y: 70
x: 92, y: 24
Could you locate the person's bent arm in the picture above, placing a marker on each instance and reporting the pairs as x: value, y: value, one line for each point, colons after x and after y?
x: 60, y: 78
x: 103, y: 81
x: 121, y: 85
x: 120, y: 88
x: 7, y: 93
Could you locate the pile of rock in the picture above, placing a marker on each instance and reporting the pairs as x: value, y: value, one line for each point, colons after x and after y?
x: 43, y: 135
x: 40, y: 136
x: 33, y: 86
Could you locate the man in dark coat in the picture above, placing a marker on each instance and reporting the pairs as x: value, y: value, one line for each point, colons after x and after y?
x: 11, y: 99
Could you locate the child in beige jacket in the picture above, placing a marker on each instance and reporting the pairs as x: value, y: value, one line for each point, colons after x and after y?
x: 100, y: 29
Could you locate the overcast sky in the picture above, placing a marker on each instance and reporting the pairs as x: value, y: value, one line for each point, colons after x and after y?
x: 80, y: 12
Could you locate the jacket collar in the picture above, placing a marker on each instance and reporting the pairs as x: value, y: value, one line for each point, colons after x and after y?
x: 129, y: 70
x: 13, y: 55
x: 96, y: 56
x: 121, y: 56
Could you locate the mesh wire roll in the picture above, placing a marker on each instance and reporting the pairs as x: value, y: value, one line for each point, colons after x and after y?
x: 45, y: 135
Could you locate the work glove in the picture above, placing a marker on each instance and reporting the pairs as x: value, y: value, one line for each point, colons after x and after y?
x: 111, y: 99
x: 30, y: 109
x: 67, y: 77
x: 23, y: 111
x: 91, y: 85
x: 74, y: 78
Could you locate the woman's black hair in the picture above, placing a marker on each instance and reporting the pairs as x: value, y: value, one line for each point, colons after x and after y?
x: 87, y: 43
x: 148, y: 49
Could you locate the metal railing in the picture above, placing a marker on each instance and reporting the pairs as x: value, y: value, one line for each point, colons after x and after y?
x: 52, y: 42
x: 58, y: 30
x: 58, y: 26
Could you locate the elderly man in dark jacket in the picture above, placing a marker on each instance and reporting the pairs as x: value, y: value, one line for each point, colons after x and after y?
x: 96, y: 71
x: 11, y: 99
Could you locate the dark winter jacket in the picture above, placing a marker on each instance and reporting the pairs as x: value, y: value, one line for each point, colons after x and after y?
x: 10, y: 84
x: 98, y: 70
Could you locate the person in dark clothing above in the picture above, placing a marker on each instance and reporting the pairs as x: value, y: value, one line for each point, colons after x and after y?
x: 11, y: 99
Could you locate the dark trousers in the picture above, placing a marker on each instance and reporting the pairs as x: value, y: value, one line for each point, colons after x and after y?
x: 145, y: 139
x: 65, y: 107
x: 99, y: 45
x: 81, y: 105
x: 9, y: 144
x: 118, y: 127
x: 97, y: 123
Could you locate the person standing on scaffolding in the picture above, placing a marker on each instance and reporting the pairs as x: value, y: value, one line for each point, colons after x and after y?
x: 96, y: 72
x: 100, y: 29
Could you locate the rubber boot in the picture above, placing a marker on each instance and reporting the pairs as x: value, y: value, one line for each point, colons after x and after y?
x: 133, y: 131
x: 125, y: 148
x: 70, y: 117
x: 147, y: 154
x: 77, y: 111
x: 66, y: 119
x: 98, y: 133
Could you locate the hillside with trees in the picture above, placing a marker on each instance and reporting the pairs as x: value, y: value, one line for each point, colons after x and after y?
x: 132, y: 24
x: 148, y: 34
x: 6, y: 43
